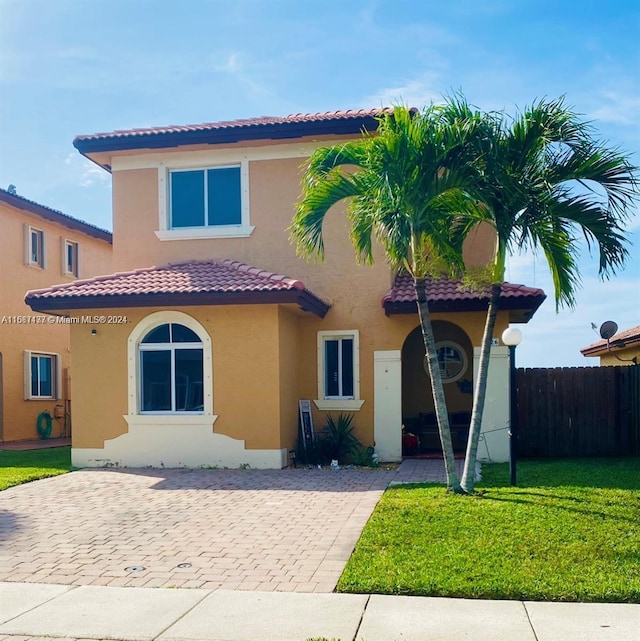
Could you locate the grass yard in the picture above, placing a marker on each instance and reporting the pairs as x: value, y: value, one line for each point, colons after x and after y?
x: 22, y: 467
x: 570, y: 531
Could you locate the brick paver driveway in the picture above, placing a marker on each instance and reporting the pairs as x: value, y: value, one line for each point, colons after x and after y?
x: 238, y: 529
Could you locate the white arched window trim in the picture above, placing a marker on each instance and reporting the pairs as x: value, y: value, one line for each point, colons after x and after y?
x: 134, y: 417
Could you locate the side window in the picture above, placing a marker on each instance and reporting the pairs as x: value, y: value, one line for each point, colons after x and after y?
x: 205, y: 197
x: 34, y: 247
x: 339, y: 370
x: 338, y: 367
x: 42, y: 375
x: 70, y: 255
x: 171, y: 370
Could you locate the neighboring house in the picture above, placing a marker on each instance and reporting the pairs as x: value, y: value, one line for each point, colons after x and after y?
x: 622, y: 349
x: 213, y: 329
x: 39, y: 246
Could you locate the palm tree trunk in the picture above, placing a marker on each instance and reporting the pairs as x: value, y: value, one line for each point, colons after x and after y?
x: 440, y: 404
x: 480, y: 392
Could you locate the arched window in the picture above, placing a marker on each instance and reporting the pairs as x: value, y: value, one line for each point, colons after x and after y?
x: 171, y: 370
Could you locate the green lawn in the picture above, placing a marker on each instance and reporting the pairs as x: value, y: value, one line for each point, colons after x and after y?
x: 22, y: 467
x: 569, y: 532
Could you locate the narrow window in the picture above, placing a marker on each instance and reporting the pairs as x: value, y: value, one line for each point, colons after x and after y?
x: 35, y: 247
x: 338, y: 367
x: 70, y: 258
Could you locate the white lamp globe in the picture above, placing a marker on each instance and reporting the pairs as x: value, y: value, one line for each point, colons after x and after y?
x: 512, y: 336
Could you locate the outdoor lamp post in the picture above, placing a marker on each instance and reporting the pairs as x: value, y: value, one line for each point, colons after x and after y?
x: 512, y: 338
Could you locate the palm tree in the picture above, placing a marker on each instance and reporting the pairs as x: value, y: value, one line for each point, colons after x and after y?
x: 545, y: 181
x: 400, y: 184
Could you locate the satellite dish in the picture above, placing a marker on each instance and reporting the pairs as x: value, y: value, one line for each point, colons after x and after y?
x: 608, y: 329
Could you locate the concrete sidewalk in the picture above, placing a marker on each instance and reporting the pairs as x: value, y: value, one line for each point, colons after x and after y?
x: 32, y: 611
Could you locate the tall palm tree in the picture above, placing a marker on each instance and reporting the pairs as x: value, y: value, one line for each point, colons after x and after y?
x: 400, y: 184
x: 545, y: 181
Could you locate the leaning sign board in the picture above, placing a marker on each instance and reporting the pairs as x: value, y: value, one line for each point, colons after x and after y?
x: 306, y: 421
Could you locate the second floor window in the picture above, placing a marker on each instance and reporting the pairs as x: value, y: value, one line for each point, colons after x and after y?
x: 70, y: 258
x: 34, y: 247
x: 205, y: 197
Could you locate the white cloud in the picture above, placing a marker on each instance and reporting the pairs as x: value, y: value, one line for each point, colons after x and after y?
x: 85, y: 173
x: 414, y: 93
x: 618, y: 108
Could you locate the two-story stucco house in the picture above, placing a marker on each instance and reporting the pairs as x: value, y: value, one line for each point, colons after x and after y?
x: 39, y: 247
x: 212, y: 329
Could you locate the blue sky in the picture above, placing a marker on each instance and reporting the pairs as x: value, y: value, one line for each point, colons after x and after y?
x: 71, y: 67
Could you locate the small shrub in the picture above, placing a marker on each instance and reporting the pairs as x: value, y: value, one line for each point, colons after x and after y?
x: 338, y: 438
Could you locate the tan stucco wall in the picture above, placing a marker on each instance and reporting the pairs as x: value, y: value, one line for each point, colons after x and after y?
x: 17, y: 416
x: 626, y: 354
x: 246, y: 373
x: 291, y: 362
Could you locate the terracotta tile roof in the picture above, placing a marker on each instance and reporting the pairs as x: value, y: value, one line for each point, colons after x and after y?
x: 449, y: 295
x: 210, y: 282
x: 264, y: 127
x: 622, y: 339
x: 53, y: 215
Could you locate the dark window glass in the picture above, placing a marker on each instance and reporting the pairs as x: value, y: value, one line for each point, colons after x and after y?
x: 331, y: 367
x: 158, y: 335
x: 450, y: 361
x: 224, y: 196
x: 182, y: 334
x: 347, y: 367
x: 45, y: 375
x: 189, y: 380
x: 187, y: 199
x: 155, y: 371
x: 42, y: 376
x: 35, y: 391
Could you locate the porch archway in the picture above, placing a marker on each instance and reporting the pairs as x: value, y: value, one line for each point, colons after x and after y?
x: 455, y: 352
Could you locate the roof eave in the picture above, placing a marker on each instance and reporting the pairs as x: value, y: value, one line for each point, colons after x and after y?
x: 520, y: 311
x: 13, y: 200
x: 307, y: 301
x: 278, y: 131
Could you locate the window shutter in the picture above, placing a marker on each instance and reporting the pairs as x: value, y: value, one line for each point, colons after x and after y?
x: 43, y: 262
x: 63, y: 255
x: 57, y: 364
x: 27, y: 244
x: 27, y: 374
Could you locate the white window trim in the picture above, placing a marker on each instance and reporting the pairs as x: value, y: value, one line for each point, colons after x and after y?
x: 243, y: 230
x: 65, y: 265
x: 135, y: 416
x: 41, y: 264
x: 56, y: 375
x: 339, y: 404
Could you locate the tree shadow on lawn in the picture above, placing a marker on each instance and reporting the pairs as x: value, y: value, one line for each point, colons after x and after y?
x: 596, y: 473
x: 599, y: 506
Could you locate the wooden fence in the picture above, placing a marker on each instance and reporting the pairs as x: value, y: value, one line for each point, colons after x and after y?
x: 579, y: 411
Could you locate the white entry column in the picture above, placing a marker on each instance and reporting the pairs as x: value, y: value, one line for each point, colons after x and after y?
x: 387, y: 420
x: 494, y: 443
